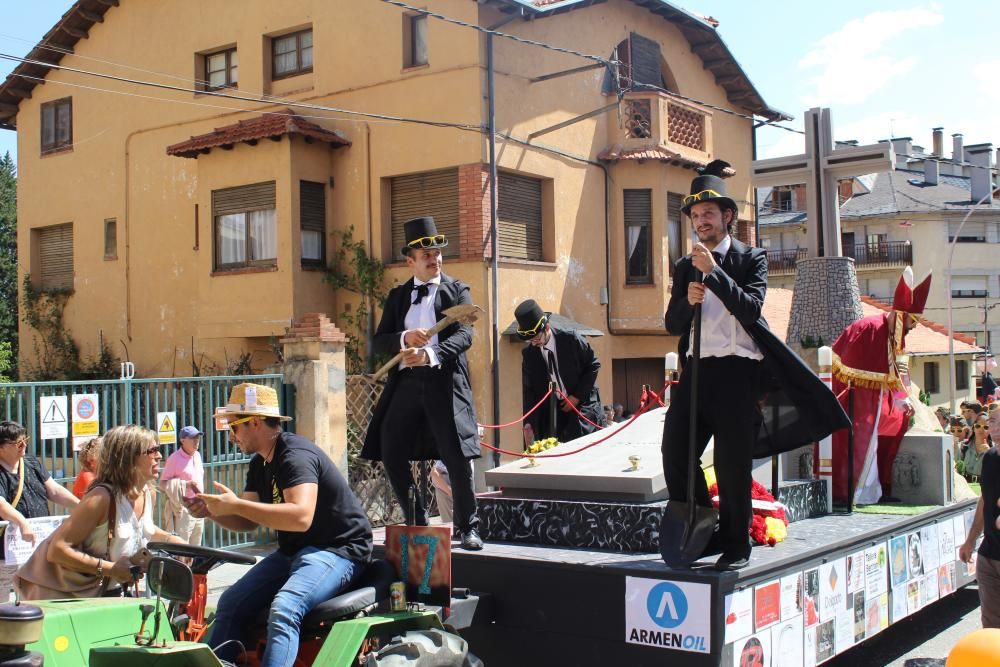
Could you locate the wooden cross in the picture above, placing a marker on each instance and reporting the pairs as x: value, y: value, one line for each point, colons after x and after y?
x: 820, y: 168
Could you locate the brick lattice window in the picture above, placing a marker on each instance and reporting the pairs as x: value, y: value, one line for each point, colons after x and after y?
x: 686, y: 127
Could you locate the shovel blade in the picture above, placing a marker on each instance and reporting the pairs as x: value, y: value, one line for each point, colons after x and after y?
x: 681, y: 541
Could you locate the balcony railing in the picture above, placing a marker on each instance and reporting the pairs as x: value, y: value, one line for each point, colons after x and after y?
x: 880, y: 254
x: 867, y: 256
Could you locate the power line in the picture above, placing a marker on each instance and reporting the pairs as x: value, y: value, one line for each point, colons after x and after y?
x: 604, y: 61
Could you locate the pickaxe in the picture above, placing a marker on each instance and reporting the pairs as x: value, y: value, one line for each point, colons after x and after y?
x: 465, y: 313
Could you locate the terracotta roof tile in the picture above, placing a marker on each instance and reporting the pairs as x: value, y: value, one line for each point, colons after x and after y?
x: 927, y: 338
x: 273, y: 124
x: 618, y: 152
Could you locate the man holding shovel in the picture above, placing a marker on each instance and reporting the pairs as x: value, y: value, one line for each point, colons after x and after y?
x: 426, y: 411
x: 718, y: 292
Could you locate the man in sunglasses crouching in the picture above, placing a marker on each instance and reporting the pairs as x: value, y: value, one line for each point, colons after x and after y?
x: 566, y: 360
x: 426, y: 411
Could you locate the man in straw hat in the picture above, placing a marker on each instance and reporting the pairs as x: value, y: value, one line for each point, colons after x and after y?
x: 565, y: 359
x: 742, y: 361
x: 865, y: 359
x: 293, y: 488
x: 426, y: 411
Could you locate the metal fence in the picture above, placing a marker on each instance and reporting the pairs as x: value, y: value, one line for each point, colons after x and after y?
x: 137, y: 401
x: 368, y: 478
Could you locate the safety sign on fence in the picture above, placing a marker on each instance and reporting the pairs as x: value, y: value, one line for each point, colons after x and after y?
x: 166, y: 427
x: 86, y: 418
x: 55, y: 422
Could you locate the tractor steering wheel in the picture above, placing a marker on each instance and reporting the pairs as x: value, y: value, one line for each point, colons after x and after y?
x: 204, y: 558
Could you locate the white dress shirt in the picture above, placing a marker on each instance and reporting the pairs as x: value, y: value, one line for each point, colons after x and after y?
x: 721, y: 334
x: 421, y: 316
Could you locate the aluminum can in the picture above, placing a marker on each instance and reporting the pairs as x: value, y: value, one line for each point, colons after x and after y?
x: 397, y: 596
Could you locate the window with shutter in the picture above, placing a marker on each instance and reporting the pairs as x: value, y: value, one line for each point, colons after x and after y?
x: 57, y: 125
x: 640, y: 66
x: 638, y: 250
x: 433, y: 193
x: 519, y: 216
x: 972, y: 232
x: 675, y: 230
x: 932, y: 377
x: 312, y: 223
x: 55, y: 257
x: 961, y: 374
x: 246, y: 231
x: 969, y: 287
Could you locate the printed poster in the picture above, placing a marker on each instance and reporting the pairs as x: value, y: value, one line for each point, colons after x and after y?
x: 947, y: 546
x: 914, y: 555
x: 787, y: 644
x: 898, y: 560
x: 671, y: 615
x: 876, y: 571
x: 826, y: 646
x: 16, y: 550
x: 929, y: 542
x: 912, y: 596
x: 859, y: 616
x: 856, y: 572
x: 844, y: 629
x: 809, y: 647
x: 766, y: 605
x: 791, y: 596
x: 946, y: 579
x: 876, y: 615
x: 754, y: 651
x: 739, y: 615
x: 958, y: 527
x: 832, y: 589
x: 883, y: 612
x: 900, y: 610
x: 810, y: 602
x: 928, y: 589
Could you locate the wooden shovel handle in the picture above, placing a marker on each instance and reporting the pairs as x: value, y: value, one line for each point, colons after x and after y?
x: 389, y: 365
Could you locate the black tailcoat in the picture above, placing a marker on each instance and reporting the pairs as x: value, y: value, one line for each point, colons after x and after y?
x: 578, y: 367
x: 797, y: 408
x: 451, y: 378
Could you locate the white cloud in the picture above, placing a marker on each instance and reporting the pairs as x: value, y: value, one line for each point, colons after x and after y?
x: 859, y: 59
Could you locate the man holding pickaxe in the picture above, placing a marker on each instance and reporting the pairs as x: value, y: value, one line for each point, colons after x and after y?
x: 427, y: 411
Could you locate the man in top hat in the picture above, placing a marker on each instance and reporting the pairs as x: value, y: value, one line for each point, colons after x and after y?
x: 293, y: 488
x: 426, y: 411
x: 865, y: 359
x: 741, y: 360
x: 566, y: 360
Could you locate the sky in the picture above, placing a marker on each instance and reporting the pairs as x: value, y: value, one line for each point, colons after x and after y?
x: 886, y: 68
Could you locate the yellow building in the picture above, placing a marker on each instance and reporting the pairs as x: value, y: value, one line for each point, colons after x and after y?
x: 192, y: 218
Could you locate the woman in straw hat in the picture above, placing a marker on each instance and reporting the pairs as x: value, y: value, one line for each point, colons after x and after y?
x: 293, y: 488
x: 94, y: 549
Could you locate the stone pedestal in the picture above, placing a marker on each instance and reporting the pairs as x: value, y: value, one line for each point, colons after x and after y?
x: 314, y: 362
x: 825, y: 301
x: 922, y: 472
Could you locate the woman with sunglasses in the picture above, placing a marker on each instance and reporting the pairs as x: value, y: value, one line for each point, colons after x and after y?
x: 960, y: 434
x: 93, y: 550
x: 978, y: 444
x: 26, y: 487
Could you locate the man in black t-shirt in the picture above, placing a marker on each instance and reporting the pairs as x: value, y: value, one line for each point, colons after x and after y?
x: 27, y: 499
x: 987, y: 523
x: 292, y: 487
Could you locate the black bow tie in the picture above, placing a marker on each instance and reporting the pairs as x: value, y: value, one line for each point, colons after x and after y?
x: 422, y: 291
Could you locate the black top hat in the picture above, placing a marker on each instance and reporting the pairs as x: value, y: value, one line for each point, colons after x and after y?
x: 423, y: 230
x: 709, y: 186
x: 530, y: 319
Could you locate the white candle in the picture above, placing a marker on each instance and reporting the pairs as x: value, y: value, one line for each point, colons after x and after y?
x: 825, y: 354
x: 670, y: 361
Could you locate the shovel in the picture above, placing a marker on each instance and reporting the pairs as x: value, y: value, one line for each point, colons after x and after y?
x: 464, y: 313
x: 687, y: 527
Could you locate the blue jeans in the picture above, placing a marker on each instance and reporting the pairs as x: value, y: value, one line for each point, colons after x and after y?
x: 291, y: 586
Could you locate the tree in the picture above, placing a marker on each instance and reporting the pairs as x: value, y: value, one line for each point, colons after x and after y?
x: 8, y: 257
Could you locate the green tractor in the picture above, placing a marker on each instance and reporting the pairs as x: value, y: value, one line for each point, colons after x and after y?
x: 348, y: 630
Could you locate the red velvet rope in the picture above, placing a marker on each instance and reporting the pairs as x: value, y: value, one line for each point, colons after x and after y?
x: 523, y: 417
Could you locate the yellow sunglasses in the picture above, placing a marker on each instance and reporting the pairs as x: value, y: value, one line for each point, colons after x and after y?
x: 532, y: 332
x: 698, y: 196
x: 242, y: 420
x: 426, y: 241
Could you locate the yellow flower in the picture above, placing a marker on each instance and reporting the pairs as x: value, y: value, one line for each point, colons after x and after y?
x: 775, y: 528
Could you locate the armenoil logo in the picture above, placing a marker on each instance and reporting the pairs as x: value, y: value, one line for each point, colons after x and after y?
x: 667, y: 605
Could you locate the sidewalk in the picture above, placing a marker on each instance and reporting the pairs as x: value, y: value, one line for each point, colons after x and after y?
x: 225, y: 575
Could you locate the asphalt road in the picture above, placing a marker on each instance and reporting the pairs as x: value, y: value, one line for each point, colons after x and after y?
x: 921, y: 640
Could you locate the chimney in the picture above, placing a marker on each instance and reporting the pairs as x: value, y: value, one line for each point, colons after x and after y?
x: 957, y: 154
x: 903, y: 147
x: 938, y: 144
x: 981, y: 159
x: 931, y: 170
